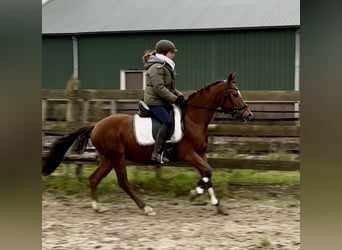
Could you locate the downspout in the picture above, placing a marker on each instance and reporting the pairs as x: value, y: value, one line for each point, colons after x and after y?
x: 297, y: 61
x: 73, y: 86
x: 75, y: 56
x: 297, y: 69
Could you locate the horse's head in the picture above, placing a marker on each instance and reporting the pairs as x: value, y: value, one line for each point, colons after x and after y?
x: 233, y: 101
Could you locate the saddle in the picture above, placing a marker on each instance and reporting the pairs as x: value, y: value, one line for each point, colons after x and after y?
x: 146, y: 126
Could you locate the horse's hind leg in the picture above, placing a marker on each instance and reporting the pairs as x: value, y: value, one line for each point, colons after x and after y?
x: 121, y: 173
x: 101, y: 172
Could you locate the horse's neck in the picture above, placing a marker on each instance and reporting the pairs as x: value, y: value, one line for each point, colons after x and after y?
x: 203, y: 106
x: 200, y: 118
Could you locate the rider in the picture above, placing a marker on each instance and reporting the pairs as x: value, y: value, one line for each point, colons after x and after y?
x: 160, y: 91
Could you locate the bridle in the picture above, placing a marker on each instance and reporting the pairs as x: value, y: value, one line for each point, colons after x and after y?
x: 236, y: 112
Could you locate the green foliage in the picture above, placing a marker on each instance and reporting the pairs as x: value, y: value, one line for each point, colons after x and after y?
x: 264, y: 242
x: 264, y: 176
x: 59, y: 112
x: 98, y: 112
x: 282, y: 156
x: 71, y: 85
x: 173, y: 181
x: 222, y: 152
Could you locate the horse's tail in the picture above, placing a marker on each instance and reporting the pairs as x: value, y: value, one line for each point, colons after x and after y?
x: 61, y: 146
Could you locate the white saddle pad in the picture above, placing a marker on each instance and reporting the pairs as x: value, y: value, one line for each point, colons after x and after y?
x: 143, y: 129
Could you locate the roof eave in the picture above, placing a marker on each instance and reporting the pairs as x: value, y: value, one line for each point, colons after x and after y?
x: 172, y: 30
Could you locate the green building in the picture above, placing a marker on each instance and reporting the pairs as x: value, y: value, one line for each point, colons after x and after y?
x: 102, y: 42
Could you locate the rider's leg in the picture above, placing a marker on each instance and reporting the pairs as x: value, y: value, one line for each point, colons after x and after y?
x: 164, y: 117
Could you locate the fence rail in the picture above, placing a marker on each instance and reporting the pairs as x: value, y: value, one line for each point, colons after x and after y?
x: 275, y: 128
x: 249, y: 95
x: 84, y: 106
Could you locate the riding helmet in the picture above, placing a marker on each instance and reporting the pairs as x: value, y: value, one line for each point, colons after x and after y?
x: 163, y: 46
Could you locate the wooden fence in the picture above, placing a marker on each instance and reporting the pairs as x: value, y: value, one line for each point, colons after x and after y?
x: 276, y: 127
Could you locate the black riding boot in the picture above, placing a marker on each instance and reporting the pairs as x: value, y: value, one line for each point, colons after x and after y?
x: 157, y: 154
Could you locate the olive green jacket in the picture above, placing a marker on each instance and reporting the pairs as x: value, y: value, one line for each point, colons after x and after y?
x: 160, y: 84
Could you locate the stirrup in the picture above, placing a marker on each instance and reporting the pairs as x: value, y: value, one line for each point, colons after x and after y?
x: 160, y: 158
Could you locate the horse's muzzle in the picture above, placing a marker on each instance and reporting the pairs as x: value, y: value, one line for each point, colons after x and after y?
x: 249, y: 116
x: 243, y: 115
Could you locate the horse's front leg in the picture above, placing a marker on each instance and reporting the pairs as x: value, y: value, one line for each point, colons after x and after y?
x: 204, y: 184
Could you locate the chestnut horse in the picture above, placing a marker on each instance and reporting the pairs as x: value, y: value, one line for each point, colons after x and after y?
x: 114, y: 140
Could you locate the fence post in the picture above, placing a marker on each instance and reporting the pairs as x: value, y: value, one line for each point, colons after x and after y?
x: 66, y: 170
x: 44, y: 109
x: 114, y: 107
x: 158, y: 171
x: 85, y: 111
x: 79, y: 171
x: 72, y: 95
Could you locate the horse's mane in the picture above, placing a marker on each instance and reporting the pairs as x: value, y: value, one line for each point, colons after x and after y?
x: 206, y: 87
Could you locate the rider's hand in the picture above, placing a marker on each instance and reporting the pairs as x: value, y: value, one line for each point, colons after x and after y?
x: 180, y: 101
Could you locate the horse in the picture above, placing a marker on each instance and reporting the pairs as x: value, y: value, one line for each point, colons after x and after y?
x: 115, y: 142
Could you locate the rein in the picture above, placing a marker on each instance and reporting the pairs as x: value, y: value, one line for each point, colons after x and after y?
x: 202, y: 107
x: 227, y: 96
x: 216, y: 109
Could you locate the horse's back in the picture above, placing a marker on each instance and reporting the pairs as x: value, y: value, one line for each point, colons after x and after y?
x: 111, y: 128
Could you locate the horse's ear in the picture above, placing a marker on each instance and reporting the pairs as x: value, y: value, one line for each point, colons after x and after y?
x: 232, y: 76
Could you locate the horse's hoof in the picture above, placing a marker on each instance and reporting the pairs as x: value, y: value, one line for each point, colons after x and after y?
x: 97, y: 207
x: 193, y: 195
x: 101, y: 210
x: 149, y: 211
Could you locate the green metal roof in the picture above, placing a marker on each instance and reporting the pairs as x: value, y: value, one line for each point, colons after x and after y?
x: 97, y: 16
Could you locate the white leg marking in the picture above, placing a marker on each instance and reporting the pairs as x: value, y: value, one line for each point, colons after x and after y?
x: 199, y: 190
x: 98, y: 208
x: 205, y: 179
x: 149, y: 211
x: 213, y: 198
x: 94, y: 205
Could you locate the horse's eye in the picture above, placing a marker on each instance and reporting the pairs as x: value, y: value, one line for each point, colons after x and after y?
x: 236, y: 95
